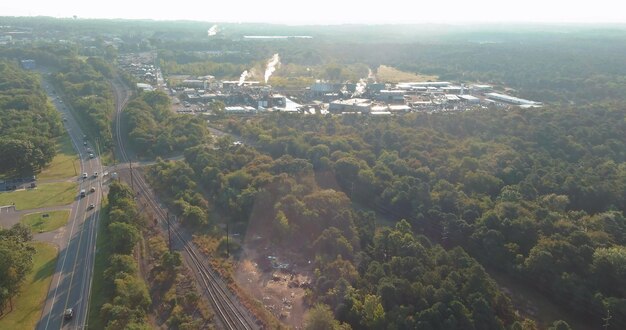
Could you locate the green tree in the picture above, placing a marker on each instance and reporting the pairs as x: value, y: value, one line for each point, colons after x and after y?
x: 123, y: 237
x: 320, y: 317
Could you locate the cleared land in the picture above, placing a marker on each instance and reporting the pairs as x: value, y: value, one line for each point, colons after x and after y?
x: 27, y: 306
x: 393, y: 75
x: 39, y: 224
x: 47, y: 194
x: 65, y: 164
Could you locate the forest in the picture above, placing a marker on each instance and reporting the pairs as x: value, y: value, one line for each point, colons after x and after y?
x: 129, y: 300
x: 85, y: 87
x: 537, y: 194
x: 154, y: 130
x: 16, y: 261
x: 28, y: 122
x: 404, y: 217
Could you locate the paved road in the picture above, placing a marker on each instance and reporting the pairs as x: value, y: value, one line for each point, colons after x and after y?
x: 71, y: 282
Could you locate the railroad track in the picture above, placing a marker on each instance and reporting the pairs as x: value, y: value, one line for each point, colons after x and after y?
x: 230, y: 312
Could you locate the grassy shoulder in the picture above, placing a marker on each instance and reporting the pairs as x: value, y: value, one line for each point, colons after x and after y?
x: 46, y: 194
x: 65, y: 164
x: 39, y: 224
x: 99, y: 296
x: 27, y: 306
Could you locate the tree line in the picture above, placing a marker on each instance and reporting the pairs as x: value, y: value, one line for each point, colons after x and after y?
x: 154, y: 130
x: 129, y: 300
x: 28, y: 122
x: 84, y: 85
x: 16, y: 261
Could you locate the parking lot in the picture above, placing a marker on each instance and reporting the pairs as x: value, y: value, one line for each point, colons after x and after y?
x: 18, y: 183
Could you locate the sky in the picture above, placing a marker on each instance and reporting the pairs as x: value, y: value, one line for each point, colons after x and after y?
x: 330, y: 11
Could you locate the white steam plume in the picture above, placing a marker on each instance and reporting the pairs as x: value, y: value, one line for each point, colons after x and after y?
x: 271, y: 66
x: 243, y: 77
x: 212, y: 31
x: 370, y: 75
x: 360, y: 88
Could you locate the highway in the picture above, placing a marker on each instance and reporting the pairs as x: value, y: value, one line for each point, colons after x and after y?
x: 227, y: 307
x: 71, y: 283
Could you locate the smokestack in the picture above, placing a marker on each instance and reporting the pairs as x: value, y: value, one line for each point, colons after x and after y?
x: 212, y: 31
x: 271, y: 66
x: 243, y: 77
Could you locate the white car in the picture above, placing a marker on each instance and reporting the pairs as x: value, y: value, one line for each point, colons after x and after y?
x: 91, y: 156
x: 85, y: 175
x: 95, y: 174
x: 68, y: 314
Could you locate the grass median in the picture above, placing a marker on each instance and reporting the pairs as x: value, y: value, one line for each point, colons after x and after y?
x: 46, y: 194
x: 39, y: 222
x: 65, y: 164
x: 27, y: 305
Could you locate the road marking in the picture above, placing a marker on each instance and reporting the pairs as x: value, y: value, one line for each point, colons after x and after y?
x: 69, y: 241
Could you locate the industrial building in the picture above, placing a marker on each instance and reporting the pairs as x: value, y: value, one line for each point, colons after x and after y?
x: 350, y: 105
x: 511, y: 99
x: 469, y: 98
x: 391, y: 96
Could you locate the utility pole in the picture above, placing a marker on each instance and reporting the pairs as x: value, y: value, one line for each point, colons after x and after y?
x: 132, y: 185
x: 169, y: 233
x: 227, y: 249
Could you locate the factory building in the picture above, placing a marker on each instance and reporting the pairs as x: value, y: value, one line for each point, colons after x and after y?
x: 422, y: 85
x: 320, y: 89
x: 451, y: 98
x: 391, y: 96
x: 511, y: 99
x: 480, y: 88
x: 456, y: 90
x: 350, y: 105
x: 469, y: 99
x: 239, y: 110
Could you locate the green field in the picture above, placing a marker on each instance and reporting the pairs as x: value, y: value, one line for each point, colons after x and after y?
x: 65, y: 164
x: 47, y: 194
x: 39, y: 224
x: 27, y: 306
x: 98, y: 295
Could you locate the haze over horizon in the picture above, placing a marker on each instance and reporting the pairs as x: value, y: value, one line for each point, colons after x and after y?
x: 331, y: 12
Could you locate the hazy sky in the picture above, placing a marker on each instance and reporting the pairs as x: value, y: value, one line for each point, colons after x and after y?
x: 330, y: 11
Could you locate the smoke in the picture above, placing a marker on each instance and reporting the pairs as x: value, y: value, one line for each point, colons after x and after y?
x: 370, y: 75
x: 271, y: 66
x: 360, y: 88
x: 243, y: 77
x: 212, y: 31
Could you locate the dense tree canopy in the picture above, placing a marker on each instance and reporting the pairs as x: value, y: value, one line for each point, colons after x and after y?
x: 28, y: 122
x: 130, y: 300
x: 16, y: 260
x: 155, y: 130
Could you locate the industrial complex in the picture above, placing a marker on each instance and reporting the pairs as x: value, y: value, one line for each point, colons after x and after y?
x: 192, y: 94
